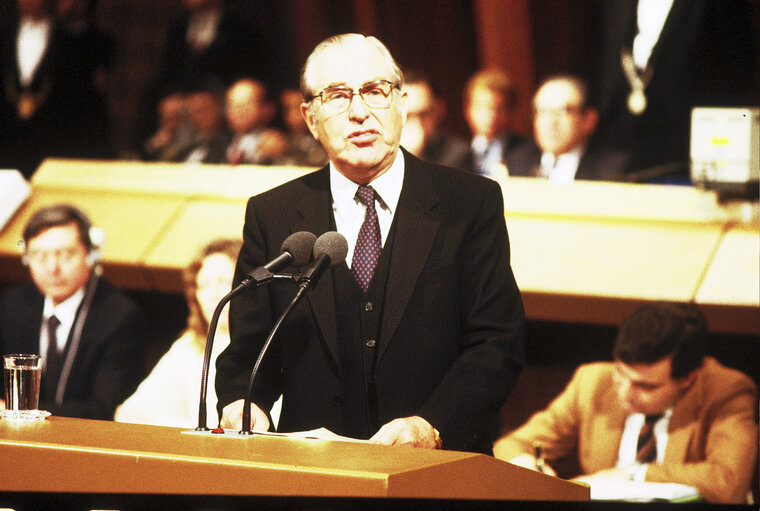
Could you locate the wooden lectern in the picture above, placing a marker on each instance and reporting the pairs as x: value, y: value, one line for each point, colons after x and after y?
x: 66, y: 455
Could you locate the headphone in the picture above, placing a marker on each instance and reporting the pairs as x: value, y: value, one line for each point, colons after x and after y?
x: 93, y: 237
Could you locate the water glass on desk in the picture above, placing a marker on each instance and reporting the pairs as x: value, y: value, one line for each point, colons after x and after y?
x: 22, y: 388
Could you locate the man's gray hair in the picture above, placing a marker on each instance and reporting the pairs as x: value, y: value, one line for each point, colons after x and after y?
x: 307, y: 80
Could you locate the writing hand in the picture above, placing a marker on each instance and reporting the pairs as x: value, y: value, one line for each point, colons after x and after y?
x: 529, y: 461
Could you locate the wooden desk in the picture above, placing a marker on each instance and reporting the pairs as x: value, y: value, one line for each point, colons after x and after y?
x: 195, y: 224
x: 588, y: 252
x: 597, y: 271
x: 132, y: 224
x: 83, y: 456
x: 730, y: 291
x: 159, y: 178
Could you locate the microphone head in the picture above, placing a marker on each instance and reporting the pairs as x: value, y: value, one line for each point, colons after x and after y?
x: 332, y: 244
x: 300, y: 245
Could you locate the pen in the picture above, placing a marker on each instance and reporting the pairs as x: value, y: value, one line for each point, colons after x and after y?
x: 540, y: 462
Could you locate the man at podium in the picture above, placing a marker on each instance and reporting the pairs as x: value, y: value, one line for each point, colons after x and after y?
x: 418, y: 339
x: 661, y: 412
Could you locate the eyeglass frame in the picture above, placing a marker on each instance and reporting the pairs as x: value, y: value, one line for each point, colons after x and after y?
x: 354, y: 92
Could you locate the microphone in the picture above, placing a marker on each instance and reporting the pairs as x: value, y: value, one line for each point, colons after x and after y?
x: 296, y: 250
x: 330, y: 249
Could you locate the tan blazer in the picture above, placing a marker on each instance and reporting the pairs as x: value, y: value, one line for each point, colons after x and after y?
x: 712, y: 436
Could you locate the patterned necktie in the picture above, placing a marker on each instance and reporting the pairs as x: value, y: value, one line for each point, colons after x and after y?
x: 646, y: 448
x: 52, y: 358
x: 368, y: 244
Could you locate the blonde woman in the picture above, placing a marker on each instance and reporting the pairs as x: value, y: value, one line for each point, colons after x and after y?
x: 169, y: 395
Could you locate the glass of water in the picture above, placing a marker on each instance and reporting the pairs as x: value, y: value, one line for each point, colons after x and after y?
x: 22, y: 388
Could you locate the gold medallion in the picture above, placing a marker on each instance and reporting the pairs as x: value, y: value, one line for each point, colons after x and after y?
x: 637, y: 101
x: 26, y: 105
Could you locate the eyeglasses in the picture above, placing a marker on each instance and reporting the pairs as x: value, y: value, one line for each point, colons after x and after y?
x: 336, y: 100
x: 63, y: 255
x: 564, y: 111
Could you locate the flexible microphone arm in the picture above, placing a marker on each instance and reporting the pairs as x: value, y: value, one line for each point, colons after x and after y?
x: 296, y: 250
x: 202, y: 411
x: 246, y: 423
x: 207, y: 357
x: 329, y: 250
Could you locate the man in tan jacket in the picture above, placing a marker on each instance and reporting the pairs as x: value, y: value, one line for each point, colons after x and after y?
x: 702, y: 415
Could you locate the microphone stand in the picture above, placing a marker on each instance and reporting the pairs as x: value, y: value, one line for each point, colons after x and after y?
x: 259, y: 276
x: 246, y: 423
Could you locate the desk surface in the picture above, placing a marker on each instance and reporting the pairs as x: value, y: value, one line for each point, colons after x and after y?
x: 62, y: 454
x: 587, y: 252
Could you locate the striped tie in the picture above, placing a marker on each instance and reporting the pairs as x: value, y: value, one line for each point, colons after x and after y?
x: 646, y: 448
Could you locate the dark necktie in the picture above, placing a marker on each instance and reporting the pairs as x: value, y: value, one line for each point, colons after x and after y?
x: 52, y: 358
x: 368, y: 244
x: 646, y: 448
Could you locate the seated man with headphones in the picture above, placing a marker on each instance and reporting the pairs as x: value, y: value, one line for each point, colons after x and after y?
x: 90, y: 334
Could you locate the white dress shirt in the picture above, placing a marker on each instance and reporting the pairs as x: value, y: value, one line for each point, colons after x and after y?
x: 628, y: 447
x: 66, y: 312
x: 561, y: 169
x: 349, y: 212
x: 650, y: 16
x: 31, y: 44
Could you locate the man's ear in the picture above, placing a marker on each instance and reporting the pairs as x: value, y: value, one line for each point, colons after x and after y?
x: 402, y: 104
x: 685, y: 382
x: 308, y: 116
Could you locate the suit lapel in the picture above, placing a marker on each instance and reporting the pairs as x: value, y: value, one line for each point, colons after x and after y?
x: 605, y: 444
x: 314, y: 214
x: 683, y: 423
x: 415, y: 229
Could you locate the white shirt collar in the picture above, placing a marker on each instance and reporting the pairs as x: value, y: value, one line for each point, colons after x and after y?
x: 66, y: 310
x: 561, y: 169
x: 349, y: 213
x: 387, y: 186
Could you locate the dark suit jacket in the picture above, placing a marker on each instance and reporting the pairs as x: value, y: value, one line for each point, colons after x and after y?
x: 595, y: 164
x: 53, y: 128
x: 509, y: 143
x: 447, y: 150
x: 450, y: 344
x: 706, y: 56
x: 108, y: 364
x: 237, y: 51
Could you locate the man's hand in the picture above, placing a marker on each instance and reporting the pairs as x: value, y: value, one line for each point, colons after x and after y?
x: 2, y: 404
x: 529, y: 461
x: 232, y: 417
x: 410, y: 431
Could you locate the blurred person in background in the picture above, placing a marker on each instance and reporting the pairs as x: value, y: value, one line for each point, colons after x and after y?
x: 661, y: 411
x: 89, y: 333
x: 423, y: 134
x: 563, y: 124
x: 174, y: 134
x: 169, y: 396
x: 249, y: 113
x: 488, y: 101
x: 660, y: 58
x: 44, y: 105
x: 210, y: 136
x: 302, y: 148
